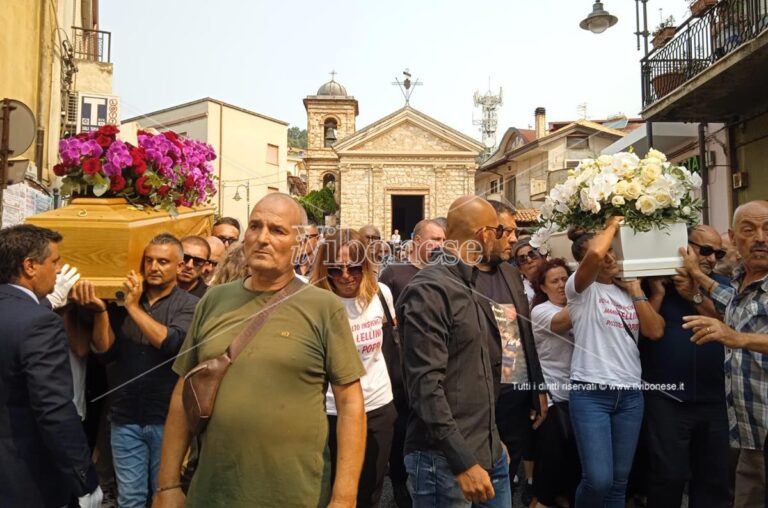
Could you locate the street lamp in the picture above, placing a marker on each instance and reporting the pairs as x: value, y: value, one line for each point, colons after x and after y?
x: 599, y: 20
x: 236, y: 197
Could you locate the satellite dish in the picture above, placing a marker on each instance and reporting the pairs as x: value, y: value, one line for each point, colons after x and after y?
x: 490, y: 142
x: 21, y: 126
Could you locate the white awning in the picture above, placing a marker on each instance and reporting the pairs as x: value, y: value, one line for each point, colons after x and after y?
x: 666, y: 136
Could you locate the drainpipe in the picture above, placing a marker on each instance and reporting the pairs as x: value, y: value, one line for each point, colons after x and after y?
x: 221, y: 159
x: 43, y: 85
x: 704, y: 173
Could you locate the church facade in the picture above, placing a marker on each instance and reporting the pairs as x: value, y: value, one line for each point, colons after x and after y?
x: 400, y: 169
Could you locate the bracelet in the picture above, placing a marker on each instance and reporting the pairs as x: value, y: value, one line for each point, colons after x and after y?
x: 636, y: 299
x: 169, y: 487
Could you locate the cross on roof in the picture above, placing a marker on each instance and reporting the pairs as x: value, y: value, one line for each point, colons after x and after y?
x: 333, y: 75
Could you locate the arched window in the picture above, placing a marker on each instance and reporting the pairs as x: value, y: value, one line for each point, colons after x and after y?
x: 329, y: 132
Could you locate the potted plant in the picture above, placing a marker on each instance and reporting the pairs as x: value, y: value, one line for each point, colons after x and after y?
x: 654, y: 196
x: 664, y: 32
x: 698, y: 7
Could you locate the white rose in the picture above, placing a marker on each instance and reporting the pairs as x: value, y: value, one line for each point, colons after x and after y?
x: 604, y: 160
x: 620, y: 187
x: 617, y: 200
x: 633, y: 190
x: 646, y: 204
x: 663, y: 199
x: 655, y: 154
x: 650, y: 173
x: 686, y: 210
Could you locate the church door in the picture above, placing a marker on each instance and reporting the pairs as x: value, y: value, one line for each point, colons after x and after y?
x: 406, y: 212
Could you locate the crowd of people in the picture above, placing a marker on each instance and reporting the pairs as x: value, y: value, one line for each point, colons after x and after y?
x: 320, y: 360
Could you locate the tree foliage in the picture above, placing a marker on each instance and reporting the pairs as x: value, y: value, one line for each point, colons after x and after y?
x: 318, y: 204
x: 297, y: 137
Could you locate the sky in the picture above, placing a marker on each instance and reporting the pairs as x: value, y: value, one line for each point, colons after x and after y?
x: 267, y: 56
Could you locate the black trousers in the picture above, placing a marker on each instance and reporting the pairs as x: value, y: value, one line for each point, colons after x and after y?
x: 397, y: 472
x: 557, y: 469
x: 515, y: 426
x: 380, y: 427
x: 687, y: 442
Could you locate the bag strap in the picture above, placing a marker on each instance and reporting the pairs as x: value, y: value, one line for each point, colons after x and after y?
x: 626, y: 327
x: 258, y: 320
x: 384, y: 304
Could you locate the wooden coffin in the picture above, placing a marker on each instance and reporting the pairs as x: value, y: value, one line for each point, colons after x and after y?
x: 105, y: 238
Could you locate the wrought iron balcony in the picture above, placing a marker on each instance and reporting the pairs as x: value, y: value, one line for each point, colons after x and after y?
x: 699, y: 42
x: 92, y: 45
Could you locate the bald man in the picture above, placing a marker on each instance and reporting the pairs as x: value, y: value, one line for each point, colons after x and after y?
x: 266, y: 444
x: 217, y: 255
x: 453, y: 453
x: 744, y: 333
x: 685, y: 413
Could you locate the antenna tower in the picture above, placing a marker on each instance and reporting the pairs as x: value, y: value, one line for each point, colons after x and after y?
x: 489, y: 121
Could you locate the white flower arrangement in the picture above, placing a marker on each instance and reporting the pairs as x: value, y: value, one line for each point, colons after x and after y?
x: 649, y: 192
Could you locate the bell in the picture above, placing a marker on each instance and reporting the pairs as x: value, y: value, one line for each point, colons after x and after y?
x: 330, y: 136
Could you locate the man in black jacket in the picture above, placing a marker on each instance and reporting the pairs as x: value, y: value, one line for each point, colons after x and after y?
x: 452, y: 441
x: 44, y: 455
x: 521, y: 398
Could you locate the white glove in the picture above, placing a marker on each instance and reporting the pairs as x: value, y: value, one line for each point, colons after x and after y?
x: 92, y: 500
x: 65, y: 280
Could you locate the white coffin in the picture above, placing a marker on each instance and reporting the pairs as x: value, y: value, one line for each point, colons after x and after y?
x: 651, y: 253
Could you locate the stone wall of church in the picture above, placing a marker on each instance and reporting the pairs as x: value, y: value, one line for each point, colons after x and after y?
x: 367, y: 191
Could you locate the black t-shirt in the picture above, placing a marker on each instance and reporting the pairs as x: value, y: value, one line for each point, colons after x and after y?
x: 199, y: 289
x: 397, y: 276
x: 491, y: 284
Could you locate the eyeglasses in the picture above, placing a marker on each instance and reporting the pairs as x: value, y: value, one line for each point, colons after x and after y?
x: 311, y: 235
x: 500, y: 231
x: 708, y: 250
x: 335, y: 271
x: 227, y: 240
x: 213, y: 263
x: 198, y: 262
x: 373, y: 237
x: 524, y: 258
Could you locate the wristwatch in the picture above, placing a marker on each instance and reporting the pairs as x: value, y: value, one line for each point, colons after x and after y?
x: 698, y: 298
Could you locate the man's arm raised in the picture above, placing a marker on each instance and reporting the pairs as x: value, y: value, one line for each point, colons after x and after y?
x: 350, y: 439
x: 176, y: 439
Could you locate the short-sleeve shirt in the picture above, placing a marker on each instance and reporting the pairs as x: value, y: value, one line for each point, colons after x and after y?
x: 266, y: 443
x: 555, y: 350
x: 605, y: 353
x: 367, y: 329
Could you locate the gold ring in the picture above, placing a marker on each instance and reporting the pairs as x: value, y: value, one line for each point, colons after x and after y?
x: 709, y: 330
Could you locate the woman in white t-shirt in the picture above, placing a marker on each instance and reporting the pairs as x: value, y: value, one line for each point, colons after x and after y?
x: 344, y: 269
x: 556, y: 469
x: 606, y: 401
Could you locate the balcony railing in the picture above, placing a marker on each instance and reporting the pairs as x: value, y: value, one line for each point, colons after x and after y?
x: 699, y: 42
x: 93, y: 45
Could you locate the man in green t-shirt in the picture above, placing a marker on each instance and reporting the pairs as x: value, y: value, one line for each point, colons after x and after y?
x: 267, y: 441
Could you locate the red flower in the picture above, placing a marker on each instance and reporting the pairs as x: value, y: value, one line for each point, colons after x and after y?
x: 173, y: 138
x: 103, y: 141
x: 142, y: 132
x: 60, y: 170
x: 108, y: 130
x: 189, y: 182
x: 142, y: 187
x: 91, y: 166
x: 117, y: 184
x: 139, y: 163
x: 82, y: 135
x: 163, y: 190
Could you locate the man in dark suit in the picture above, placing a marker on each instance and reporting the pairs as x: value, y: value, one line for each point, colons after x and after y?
x: 521, y: 402
x: 44, y: 456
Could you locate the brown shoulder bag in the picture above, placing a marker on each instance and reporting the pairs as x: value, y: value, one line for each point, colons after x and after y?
x: 201, y: 384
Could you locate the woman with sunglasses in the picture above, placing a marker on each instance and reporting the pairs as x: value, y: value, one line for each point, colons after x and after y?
x: 342, y: 267
x: 528, y: 260
x: 556, y: 468
x: 606, y: 401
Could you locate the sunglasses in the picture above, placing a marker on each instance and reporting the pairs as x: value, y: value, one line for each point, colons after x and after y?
x: 213, y: 263
x: 336, y: 271
x: 521, y: 260
x: 708, y: 250
x: 227, y: 240
x: 500, y: 231
x: 311, y: 235
x: 198, y: 262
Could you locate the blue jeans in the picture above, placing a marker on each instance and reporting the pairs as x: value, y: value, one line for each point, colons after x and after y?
x: 136, y: 457
x: 433, y: 485
x: 606, y: 424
